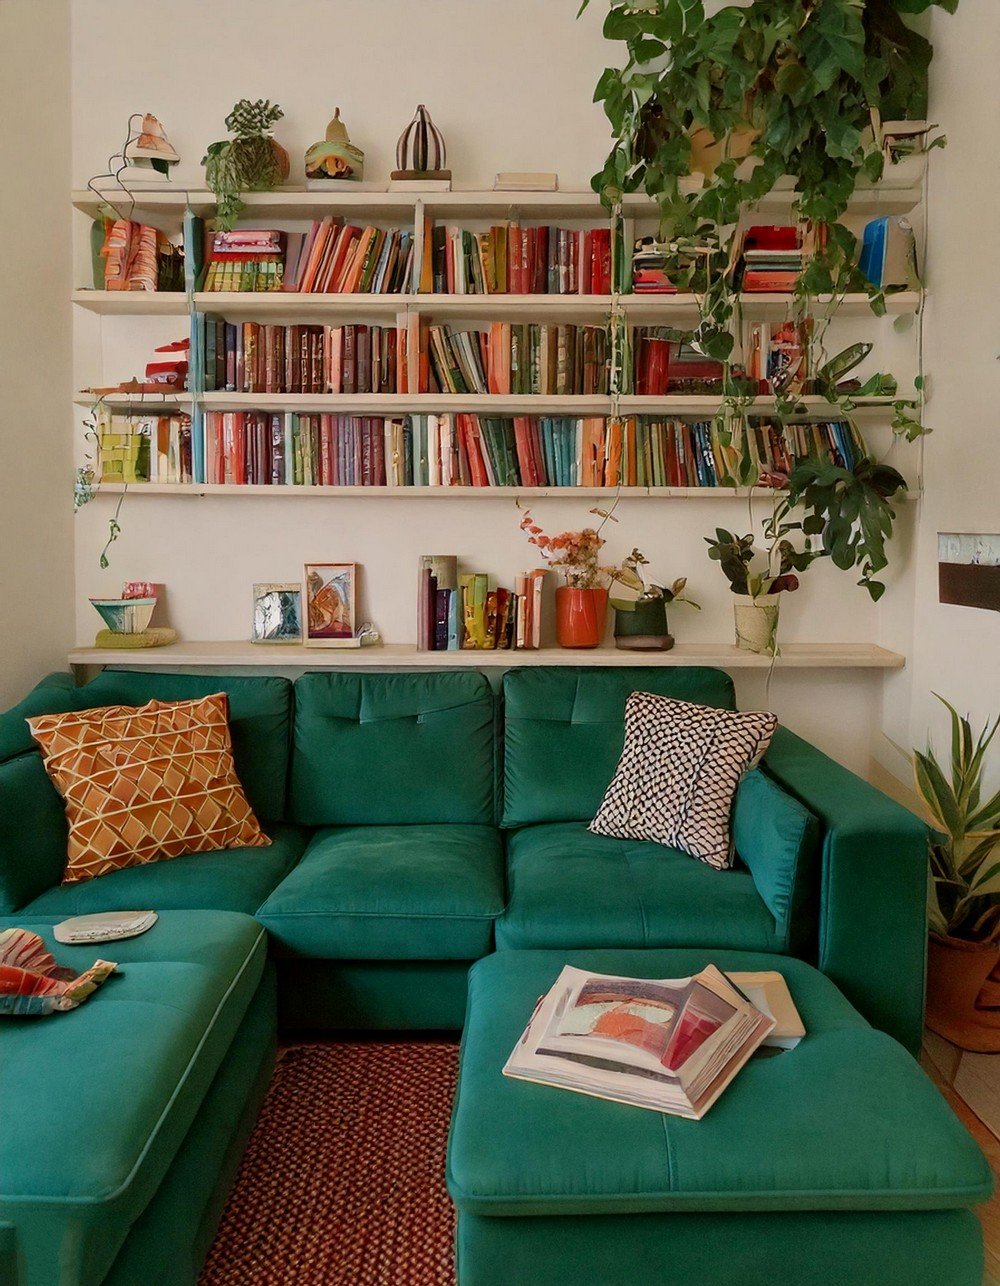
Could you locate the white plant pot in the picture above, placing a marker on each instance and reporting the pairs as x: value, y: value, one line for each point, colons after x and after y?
x: 757, y: 623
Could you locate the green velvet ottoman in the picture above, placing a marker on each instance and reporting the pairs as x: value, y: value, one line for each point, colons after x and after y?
x: 123, y: 1120
x: 834, y: 1164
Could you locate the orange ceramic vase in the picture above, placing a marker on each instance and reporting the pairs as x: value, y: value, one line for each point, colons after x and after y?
x: 580, y: 616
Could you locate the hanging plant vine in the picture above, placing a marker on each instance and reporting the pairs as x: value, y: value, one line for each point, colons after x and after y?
x: 785, y: 88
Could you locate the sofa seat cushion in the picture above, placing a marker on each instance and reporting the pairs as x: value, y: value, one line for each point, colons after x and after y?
x: 236, y: 879
x: 391, y: 893
x: 96, y: 1102
x: 845, y: 1121
x: 571, y: 888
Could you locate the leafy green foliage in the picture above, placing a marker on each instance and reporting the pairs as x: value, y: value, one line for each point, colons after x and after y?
x: 964, y: 891
x: 246, y: 163
x: 796, y: 81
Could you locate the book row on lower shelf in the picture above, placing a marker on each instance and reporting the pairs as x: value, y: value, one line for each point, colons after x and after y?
x: 262, y: 448
x: 459, y: 612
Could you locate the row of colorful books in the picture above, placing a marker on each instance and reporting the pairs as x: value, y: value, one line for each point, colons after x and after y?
x: 290, y: 449
x: 518, y: 358
x: 511, y: 259
x: 254, y: 357
x: 458, y: 611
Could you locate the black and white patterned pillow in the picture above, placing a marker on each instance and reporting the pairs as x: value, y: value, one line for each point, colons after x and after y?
x: 678, y: 773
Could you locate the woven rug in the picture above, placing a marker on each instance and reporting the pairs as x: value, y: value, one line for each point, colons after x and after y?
x: 343, y: 1179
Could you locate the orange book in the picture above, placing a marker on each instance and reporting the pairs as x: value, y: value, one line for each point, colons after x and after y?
x: 525, y: 457
x: 323, y: 233
x: 333, y: 253
x: 613, y: 465
x: 468, y: 428
x: 427, y: 258
x: 353, y: 263
x: 630, y: 439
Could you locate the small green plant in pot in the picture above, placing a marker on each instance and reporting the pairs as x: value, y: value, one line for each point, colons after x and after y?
x: 252, y: 161
x: 963, y: 966
x: 641, y: 622
x: 756, y: 601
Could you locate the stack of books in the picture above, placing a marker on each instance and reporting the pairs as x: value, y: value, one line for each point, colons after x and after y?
x: 457, y: 612
x: 777, y: 356
x: 287, y: 449
x: 661, y: 365
x: 338, y: 258
x: 771, y: 258
x: 251, y: 357
x: 671, y: 1045
x: 250, y: 259
x: 519, y: 359
x: 511, y: 259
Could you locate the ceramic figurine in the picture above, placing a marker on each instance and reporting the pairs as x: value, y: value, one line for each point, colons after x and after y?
x: 335, y: 157
x: 148, y: 144
x: 420, y: 152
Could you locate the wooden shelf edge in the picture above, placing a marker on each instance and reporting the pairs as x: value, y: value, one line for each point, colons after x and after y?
x: 223, y: 654
x: 289, y: 492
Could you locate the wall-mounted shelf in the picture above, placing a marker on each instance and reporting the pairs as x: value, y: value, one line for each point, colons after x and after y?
x: 278, y: 304
x: 288, y: 492
x: 296, y: 203
x: 227, y: 655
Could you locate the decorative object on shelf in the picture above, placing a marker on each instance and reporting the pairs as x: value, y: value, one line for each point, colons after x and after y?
x: 969, y: 570
x: 641, y: 622
x: 582, y: 603
x: 963, y: 966
x: 277, y: 613
x: 252, y: 161
x: 335, y: 158
x: 420, y: 152
x: 656, y: 101
x: 516, y: 181
x: 148, y: 146
x: 330, y: 591
x: 755, y: 602
x: 127, y: 619
x: 368, y: 635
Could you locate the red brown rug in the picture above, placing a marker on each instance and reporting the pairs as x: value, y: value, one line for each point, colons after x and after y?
x: 343, y: 1179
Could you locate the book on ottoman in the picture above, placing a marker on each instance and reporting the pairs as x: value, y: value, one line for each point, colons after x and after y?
x: 670, y: 1044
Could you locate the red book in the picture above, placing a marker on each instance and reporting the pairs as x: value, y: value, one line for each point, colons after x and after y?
x: 585, y: 274
x: 540, y: 267
x: 522, y: 445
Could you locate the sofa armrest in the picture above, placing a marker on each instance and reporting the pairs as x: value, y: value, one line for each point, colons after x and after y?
x: 873, y: 889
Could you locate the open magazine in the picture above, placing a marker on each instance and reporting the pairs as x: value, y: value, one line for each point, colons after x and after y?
x: 671, y: 1044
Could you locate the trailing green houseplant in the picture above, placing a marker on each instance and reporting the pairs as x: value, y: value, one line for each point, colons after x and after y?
x: 252, y: 161
x: 963, y: 986
x: 788, y: 90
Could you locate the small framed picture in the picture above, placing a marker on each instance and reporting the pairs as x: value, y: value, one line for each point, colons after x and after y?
x: 330, y: 597
x: 277, y: 613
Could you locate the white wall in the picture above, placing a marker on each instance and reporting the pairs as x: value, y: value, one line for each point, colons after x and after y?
x: 955, y: 651
x: 36, y: 506
x: 510, y: 86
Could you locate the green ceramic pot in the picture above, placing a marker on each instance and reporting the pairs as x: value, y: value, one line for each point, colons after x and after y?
x: 645, y: 628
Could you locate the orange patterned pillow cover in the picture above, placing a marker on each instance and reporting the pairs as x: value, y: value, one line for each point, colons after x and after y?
x: 145, y: 784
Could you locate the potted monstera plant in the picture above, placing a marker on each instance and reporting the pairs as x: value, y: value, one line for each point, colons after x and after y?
x: 756, y: 592
x: 963, y: 965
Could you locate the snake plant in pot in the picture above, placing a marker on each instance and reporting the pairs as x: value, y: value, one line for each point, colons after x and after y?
x: 963, y: 967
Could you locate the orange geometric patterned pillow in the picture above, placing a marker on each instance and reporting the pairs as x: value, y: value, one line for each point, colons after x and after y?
x: 146, y: 784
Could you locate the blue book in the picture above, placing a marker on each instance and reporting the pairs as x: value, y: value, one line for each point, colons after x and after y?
x: 455, y: 633
x: 872, y: 262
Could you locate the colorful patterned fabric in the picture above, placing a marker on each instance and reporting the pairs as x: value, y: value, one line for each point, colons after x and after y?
x: 678, y: 773
x: 142, y: 785
x: 32, y: 984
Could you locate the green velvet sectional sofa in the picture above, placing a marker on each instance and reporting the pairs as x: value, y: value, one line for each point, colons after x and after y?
x: 419, y: 823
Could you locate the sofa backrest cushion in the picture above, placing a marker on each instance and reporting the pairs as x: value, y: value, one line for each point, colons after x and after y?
x: 388, y: 749
x: 564, y: 729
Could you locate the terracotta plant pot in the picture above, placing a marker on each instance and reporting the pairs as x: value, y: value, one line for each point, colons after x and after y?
x: 757, y: 623
x: 962, y: 994
x: 580, y: 616
x: 645, y: 628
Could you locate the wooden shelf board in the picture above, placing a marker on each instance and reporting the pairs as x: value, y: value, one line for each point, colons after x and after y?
x: 231, y: 490
x: 276, y: 304
x: 810, y: 656
x: 132, y: 303
x: 499, y: 404
x: 296, y: 203
x: 143, y: 401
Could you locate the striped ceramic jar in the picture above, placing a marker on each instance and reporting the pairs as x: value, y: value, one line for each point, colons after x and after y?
x: 420, y: 147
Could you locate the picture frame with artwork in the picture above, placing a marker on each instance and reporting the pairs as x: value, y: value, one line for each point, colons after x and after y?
x: 277, y: 612
x: 329, y: 592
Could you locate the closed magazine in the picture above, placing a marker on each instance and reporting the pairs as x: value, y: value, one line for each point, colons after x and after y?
x: 671, y: 1045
